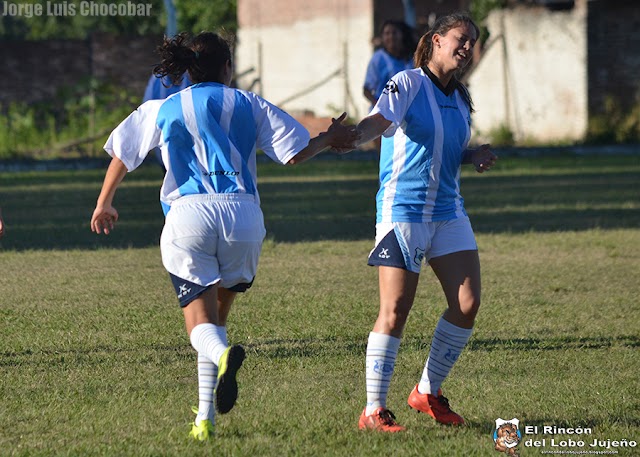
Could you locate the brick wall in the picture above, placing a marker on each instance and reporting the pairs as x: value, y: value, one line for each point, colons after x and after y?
x: 261, y: 13
x: 37, y: 70
x: 613, y: 53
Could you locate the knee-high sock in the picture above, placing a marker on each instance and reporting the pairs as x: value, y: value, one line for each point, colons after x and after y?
x: 210, y: 341
x: 448, y: 342
x: 380, y: 361
x: 207, y: 377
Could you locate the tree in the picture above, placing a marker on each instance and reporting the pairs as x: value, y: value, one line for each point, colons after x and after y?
x: 480, y: 9
x: 46, y: 20
x: 197, y: 15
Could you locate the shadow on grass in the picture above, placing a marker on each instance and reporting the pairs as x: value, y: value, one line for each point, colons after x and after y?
x: 52, y: 210
x: 286, y: 348
x: 313, y: 347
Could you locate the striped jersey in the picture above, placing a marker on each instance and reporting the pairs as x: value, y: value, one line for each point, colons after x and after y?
x: 208, y: 134
x: 381, y: 68
x: 422, y: 150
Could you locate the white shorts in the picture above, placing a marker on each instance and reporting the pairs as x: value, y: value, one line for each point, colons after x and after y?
x: 209, y: 239
x: 408, y: 244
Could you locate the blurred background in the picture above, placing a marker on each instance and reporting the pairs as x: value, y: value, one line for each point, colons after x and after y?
x: 544, y: 73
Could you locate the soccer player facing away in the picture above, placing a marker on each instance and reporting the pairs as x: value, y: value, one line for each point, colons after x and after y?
x: 424, y: 115
x: 212, y: 237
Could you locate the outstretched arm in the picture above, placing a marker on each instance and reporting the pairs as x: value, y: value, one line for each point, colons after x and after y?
x: 370, y: 128
x: 336, y: 136
x: 105, y: 215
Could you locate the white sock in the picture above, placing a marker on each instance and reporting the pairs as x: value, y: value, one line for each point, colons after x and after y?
x: 448, y: 342
x: 207, y: 377
x: 380, y: 361
x: 209, y: 340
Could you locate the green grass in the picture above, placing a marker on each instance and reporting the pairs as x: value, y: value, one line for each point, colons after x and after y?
x: 94, y: 359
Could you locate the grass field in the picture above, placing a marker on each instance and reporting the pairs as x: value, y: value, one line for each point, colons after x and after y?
x: 94, y: 359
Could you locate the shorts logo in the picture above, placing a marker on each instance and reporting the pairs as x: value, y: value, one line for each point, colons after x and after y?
x: 506, y: 436
x: 419, y: 257
x: 184, y: 290
x: 390, y: 88
x: 384, y: 253
x: 382, y: 367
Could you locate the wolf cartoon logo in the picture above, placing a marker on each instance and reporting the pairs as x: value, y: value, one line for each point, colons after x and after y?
x: 507, y: 436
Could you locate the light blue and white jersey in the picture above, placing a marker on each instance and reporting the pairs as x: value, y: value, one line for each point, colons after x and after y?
x: 422, y: 150
x: 381, y: 68
x: 208, y: 135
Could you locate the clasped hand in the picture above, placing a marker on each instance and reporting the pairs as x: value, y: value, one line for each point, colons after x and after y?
x: 343, y: 137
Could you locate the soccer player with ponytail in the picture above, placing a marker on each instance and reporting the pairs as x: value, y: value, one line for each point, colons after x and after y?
x: 208, y: 135
x: 424, y: 115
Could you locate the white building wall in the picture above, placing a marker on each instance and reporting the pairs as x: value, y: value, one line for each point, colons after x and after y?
x: 293, y: 57
x: 533, y: 78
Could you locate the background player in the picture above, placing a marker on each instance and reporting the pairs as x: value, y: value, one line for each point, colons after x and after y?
x: 395, y: 55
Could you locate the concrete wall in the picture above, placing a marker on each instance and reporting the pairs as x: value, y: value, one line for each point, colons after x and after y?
x: 295, y: 46
x: 533, y: 75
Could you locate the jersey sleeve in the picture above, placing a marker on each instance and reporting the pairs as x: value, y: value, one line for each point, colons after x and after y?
x: 279, y: 135
x: 394, y: 101
x: 132, y: 140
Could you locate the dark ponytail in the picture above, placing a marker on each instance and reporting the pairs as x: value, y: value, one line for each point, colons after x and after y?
x: 203, y: 56
x: 424, y: 51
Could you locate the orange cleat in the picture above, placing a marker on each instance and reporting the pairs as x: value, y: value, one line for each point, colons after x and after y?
x: 436, y: 407
x: 381, y: 420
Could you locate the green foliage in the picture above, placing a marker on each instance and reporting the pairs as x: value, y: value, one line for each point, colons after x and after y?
x: 615, y: 125
x: 480, y: 9
x: 67, y: 21
x: 41, y: 130
x: 501, y: 136
x: 196, y: 16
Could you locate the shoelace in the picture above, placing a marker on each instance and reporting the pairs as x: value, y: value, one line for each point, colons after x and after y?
x: 387, y: 417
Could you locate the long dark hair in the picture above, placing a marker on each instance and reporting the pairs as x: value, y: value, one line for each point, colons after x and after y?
x: 408, y: 40
x: 441, y: 26
x: 202, y: 56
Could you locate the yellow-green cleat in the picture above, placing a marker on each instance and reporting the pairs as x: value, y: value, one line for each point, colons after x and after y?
x: 202, y: 431
x: 227, y: 387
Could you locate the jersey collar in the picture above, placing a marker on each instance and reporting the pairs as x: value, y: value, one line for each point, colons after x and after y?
x: 434, y: 79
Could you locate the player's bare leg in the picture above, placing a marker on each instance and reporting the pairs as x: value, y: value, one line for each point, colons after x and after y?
x: 459, y: 275
x: 397, y: 292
